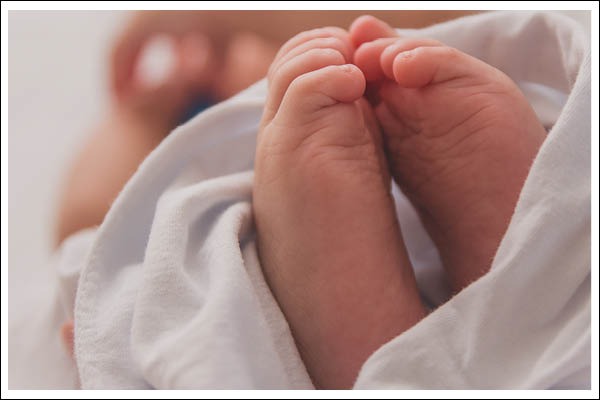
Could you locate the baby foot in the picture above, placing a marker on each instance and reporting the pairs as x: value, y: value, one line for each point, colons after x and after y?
x: 460, y: 138
x: 328, y: 237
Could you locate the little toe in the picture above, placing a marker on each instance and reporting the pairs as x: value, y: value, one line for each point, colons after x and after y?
x: 342, y: 45
x: 303, y: 37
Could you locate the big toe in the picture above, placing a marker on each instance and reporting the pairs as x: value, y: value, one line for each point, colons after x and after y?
x: 325, y: 87
x: 323, y: 103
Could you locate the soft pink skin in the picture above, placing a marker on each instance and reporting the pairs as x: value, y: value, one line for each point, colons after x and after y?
x: 460, y: 138
x: 328, y: 237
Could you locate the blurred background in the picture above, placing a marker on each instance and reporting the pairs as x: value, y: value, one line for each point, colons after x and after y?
x: 58, y: 69
x: 57, y: 74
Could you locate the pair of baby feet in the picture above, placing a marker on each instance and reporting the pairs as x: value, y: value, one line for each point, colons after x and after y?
x: 345, y: 113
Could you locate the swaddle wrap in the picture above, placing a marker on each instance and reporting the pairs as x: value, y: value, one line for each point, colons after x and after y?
x: 171, y: 293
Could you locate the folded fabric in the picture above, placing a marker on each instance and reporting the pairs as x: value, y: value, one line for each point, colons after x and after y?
x: 171, y: 293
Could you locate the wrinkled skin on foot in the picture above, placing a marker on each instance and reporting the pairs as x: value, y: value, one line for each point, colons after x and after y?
x: 329, y: 241
x: 460, y: 138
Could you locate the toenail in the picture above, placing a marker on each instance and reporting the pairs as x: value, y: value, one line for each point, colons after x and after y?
x: 406, y: 54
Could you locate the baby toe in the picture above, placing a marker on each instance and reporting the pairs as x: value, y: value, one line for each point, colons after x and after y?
x: 367, y: 28
x: 325, y: 87
x: 403, y: 46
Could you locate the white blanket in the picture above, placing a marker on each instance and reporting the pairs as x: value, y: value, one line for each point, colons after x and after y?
x: 171, y: 293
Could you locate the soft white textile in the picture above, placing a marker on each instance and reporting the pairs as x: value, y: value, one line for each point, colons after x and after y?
x: 171, y: 293
x: 526, y: 324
